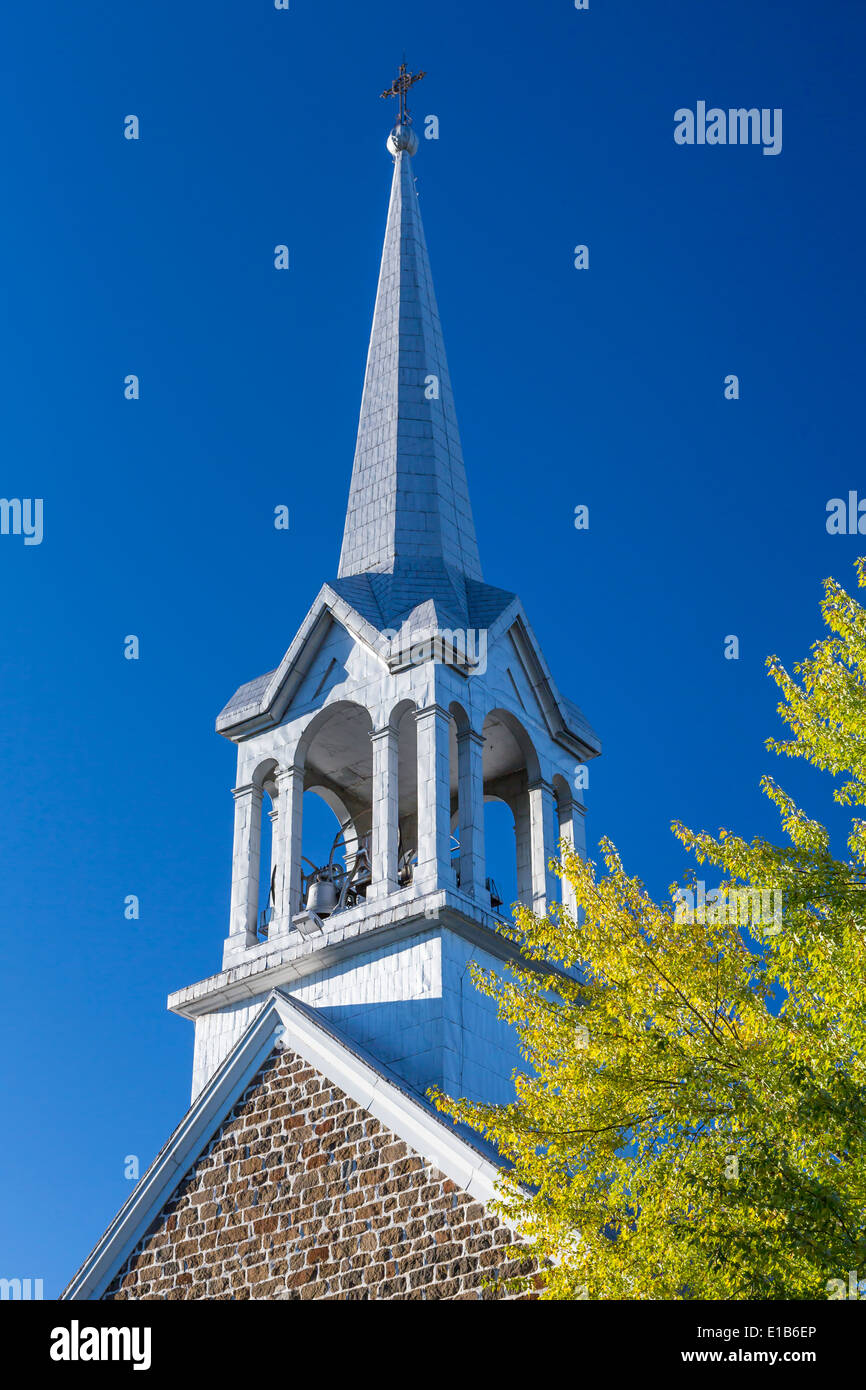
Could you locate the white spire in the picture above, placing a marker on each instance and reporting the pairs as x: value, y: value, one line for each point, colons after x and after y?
x: 409, y: 504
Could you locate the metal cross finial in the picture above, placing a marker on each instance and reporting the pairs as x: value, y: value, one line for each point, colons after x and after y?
x: 400, y: 87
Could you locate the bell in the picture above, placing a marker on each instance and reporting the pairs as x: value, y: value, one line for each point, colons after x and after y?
x: 322, y: 897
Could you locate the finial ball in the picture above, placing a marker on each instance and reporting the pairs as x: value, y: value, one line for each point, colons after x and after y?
x: 403, y: 137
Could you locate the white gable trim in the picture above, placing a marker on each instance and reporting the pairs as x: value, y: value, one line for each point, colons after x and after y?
x: 277, y: 695
x: 283, y: 1022
x: 545, y: 692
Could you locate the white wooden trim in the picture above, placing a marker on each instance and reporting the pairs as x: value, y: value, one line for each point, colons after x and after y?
x: 282, y: 1023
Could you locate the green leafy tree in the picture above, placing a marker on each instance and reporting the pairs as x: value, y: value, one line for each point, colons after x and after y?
x: 692, y: 1120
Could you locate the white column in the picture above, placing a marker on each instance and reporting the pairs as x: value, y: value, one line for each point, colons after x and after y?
x: 385, y: 836
x: 523, y: 849
x: 572, y: 828
x: 288, y: 830
x: 470, y: 775
x: 245, y: 862
x: 544, y: 830
x: 434, y: 799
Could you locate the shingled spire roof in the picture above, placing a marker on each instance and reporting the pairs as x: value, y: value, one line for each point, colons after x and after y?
x: 409, y: 567
x: 409, y: 521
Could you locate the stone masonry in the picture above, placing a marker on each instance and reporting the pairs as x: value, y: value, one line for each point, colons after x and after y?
x: 301, y: 1194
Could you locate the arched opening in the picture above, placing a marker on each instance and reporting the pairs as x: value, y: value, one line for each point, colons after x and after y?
x: 464, y: 770
x: 267, y: 864
x: 334, y: 860
x: 564, y: 804
x: 501, y: 856
x: 331, y: 870
x: 568, y: 828
x: 511, y: 771
x: 403, y: 724
x: 254, y: 852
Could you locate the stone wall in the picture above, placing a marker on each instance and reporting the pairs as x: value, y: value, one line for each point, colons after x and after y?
x: 304, y: 1195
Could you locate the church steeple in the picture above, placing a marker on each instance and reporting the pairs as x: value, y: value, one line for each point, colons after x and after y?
x: 412, y: 694
x: 409, y: 509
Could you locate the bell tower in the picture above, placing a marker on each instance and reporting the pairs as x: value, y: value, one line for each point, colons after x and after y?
x: 412, y: 694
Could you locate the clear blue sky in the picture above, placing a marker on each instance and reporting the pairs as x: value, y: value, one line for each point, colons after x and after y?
x: 707, y: 517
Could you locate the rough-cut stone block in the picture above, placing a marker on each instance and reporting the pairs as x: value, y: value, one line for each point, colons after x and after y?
x: 355, y: 1215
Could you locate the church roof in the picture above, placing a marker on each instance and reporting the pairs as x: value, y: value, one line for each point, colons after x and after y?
x: 388, y: 600
x: 283, y: 1022
x: 262, y: 703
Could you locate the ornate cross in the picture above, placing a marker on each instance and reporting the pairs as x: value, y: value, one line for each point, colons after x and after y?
x: 400, y: 87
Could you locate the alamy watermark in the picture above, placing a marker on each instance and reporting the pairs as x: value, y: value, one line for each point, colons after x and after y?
x: 736, y: 126
x: 854, y: 1289
x: 77, y: 1343
x: 846, y: 516
x: 21, y: 1289
x: 463, y: 647
x: 760, y: 909
x: 22, y: 517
